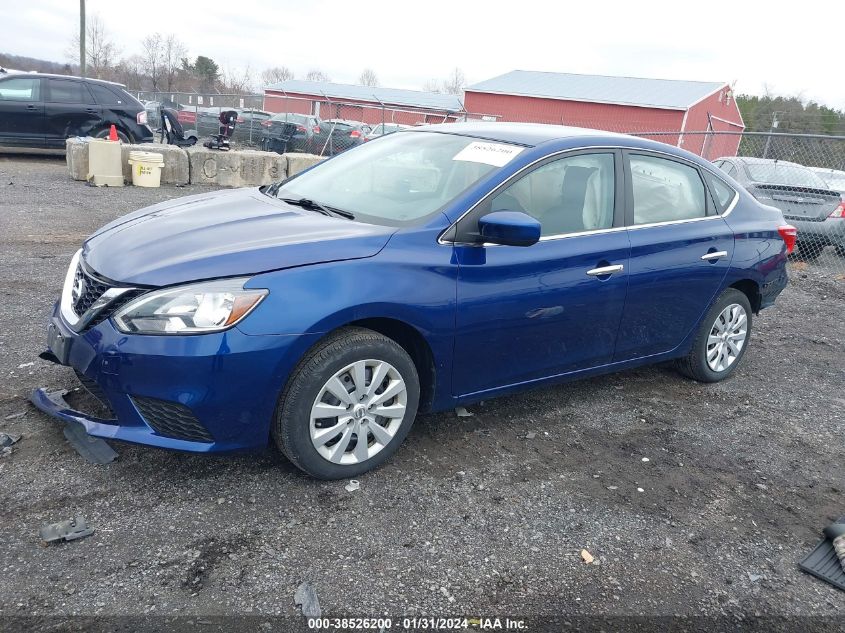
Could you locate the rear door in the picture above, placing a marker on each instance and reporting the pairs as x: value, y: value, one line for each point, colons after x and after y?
x: 681, y: 250
x: 69, y: 110
x: 21, y: 111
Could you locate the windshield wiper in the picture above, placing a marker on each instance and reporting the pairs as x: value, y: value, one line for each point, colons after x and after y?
x: 313, y: 205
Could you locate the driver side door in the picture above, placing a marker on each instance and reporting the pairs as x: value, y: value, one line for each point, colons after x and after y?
x: 528, y: 313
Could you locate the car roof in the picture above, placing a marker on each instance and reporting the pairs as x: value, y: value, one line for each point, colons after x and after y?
x: 54, y: 76
x: 517, y: 133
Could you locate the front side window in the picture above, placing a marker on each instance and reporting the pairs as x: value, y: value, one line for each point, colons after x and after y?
x: 665, y: 190
x: 400, y: 178
x: 20, y: 89
x: 569, y: 195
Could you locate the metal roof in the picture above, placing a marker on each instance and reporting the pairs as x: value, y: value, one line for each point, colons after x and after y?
x: 387, y: 96
x: 529, y: 134
x: 668, y: 94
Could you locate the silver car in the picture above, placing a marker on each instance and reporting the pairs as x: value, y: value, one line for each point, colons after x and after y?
x: 815, y: 208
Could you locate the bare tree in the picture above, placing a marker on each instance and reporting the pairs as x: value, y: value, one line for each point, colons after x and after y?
x: 432, y: 85
x: 368, y: 78
x: 237, y: 81
x: 153, y: 53
x: 455, y: 82
x: 276, y: 74
x: 316, y: 75
x: 130, y: 71
x: 100, y: 50
x: 172, y: 53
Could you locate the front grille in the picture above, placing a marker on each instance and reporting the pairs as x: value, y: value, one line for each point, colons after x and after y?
x: 171, y: 419
x: 86, y: 290
x: 92, y: 387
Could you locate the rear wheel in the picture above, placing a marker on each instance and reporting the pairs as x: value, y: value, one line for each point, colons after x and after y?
x: 348, y: 405
x: 721, y: 340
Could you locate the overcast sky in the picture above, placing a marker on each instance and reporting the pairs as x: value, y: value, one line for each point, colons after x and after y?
x: 756, y: 44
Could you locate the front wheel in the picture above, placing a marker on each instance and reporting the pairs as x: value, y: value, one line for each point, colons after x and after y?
x: 348, y: 405
x: 721, y: 340
x: 104, y: 133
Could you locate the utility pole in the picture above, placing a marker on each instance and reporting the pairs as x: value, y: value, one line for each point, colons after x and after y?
x: 769, y: 137
x: 81, y: 38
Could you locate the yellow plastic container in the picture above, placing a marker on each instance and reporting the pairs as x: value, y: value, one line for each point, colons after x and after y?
x: 146, y: 168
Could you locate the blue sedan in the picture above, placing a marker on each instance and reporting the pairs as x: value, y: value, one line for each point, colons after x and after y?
x: 426, y: 269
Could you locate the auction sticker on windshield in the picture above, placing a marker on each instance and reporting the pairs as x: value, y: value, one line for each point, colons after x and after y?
x: 496, y: 154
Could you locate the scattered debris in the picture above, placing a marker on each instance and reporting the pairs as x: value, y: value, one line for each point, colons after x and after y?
x: 754, y: 577
x: 640, y: 490
x: 353, y: 485
x: 15, y: 416
x: 93, y: 449
x: 762, y: 486
x: 306, y: 598
x: 646, y: 459
x: 22, y: 365
x: 821, y: 561
x: 8, y: 440
x: 530, y: 435
x: 221, y: 501
x: 69, y: 530
x: 587, y: 557
x: 461, y: 412
x: 613, y: 487
x: 446, y: 594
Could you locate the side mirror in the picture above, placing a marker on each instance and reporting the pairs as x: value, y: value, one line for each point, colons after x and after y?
x: 510, y: 228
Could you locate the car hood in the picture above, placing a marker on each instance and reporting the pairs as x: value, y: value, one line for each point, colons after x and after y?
x: 223, y: 234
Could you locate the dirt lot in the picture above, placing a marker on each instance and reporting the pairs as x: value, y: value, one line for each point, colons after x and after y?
x: 471, y: 517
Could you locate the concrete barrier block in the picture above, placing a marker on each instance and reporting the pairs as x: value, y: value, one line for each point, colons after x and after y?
x: 76, y: 156
x: 176, y: 170
x: 300, y: 162
x: 235, y: 168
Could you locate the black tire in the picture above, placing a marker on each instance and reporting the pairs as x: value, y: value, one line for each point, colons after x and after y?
x: 292, y: 420
x: 809, y: 250
x: 694, y: 365
x: 104, y: 133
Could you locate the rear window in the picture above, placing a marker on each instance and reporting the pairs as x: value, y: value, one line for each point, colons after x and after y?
x: 782, y: 174
x: 294, y: 118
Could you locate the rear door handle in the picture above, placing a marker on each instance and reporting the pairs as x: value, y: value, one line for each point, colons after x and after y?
x: 717, y: 255
x: 605, y: 270
x: 31, y: 106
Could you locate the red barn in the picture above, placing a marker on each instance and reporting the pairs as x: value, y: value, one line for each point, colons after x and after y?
x: 371, y: 105
x: 678, y: 109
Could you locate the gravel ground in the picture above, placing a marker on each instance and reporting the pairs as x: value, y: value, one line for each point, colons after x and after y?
x: 471, y: 517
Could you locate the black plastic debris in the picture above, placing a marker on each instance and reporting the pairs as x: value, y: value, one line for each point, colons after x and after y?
x: 69, y: 530
x: 822, y: 562
x: 306, y: 598
x: 93, y: 449
x: 8, y: 440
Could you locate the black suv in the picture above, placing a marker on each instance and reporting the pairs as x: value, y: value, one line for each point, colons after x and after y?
x: 38, y: 110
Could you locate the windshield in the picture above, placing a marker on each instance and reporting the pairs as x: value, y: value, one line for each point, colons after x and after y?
x: 782, y: 174
x: 400, y: 178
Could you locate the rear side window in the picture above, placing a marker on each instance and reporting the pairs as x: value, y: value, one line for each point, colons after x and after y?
x: 104, y: 96
x: 723, y: 194
x: 63, y: 91
x: 665, y: 190
x: 20, y: 89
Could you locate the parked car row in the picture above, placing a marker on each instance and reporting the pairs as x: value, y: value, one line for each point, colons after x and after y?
x: 812, y: 200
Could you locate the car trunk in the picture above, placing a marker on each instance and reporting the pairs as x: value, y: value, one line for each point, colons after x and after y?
x: 797, y: 203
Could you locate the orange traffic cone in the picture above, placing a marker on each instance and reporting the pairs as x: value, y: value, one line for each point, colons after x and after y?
x: 112, y: 133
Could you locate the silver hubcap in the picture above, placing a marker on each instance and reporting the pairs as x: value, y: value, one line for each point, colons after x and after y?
x: 358, y: 412
x: 727, y: 337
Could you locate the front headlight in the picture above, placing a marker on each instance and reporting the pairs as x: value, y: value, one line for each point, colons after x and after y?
x: 197, y: 308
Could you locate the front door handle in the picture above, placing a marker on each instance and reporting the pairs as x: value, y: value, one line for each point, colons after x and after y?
x: 717, y: 255
x: 605, y: 270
